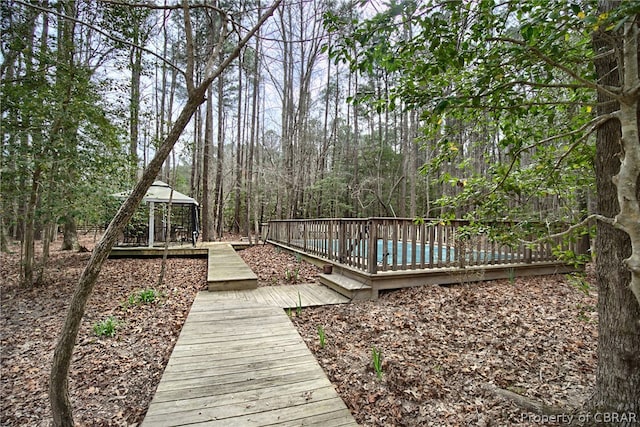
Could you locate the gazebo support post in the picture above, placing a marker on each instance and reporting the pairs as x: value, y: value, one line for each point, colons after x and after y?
x: 151, y: 223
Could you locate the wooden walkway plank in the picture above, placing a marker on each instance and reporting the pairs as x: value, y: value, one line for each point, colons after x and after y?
x: 246, y: 358
x: 226, y: 270
x: 222, y: 399
x: 179, y: 397
x: 241, y: 363
x: 286, y: 296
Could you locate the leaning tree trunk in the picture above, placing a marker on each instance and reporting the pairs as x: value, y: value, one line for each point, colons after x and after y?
x: 58, y: 385
x: 618, y: 371
x: 59, y: 381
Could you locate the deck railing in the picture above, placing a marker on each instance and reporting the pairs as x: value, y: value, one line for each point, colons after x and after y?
x: 392, y: 244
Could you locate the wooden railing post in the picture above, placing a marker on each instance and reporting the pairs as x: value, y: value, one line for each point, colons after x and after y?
x: 342, y: 241
x: 372, y: 250
x: 328, y: 239
x: 459, y: 244
x: 305, y: 237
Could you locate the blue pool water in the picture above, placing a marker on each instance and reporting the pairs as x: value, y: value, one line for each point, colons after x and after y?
x: 405, y: 255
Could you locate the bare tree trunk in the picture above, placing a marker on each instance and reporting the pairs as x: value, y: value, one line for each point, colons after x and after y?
x: 355, y: 150
x: 208, y: 213
x: 135, y: 62
x: 165, y: 253
x: 413, y: 164
x: 28, y: 245
x: 324, y: 151
x: 286, y: 204
x: 238, y: 169
x: 27, y: 206
x: 47, y: 237
x: 194, y: 187
x: 161, y: 114
x: 4, y: 244
x: 197, y: 152
x: 219, y: 199
x: 70, y: 235
x: 255, y: 102
x: 406, y: 162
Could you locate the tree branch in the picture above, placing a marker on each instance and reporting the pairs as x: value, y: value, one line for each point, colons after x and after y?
x: 594, y: 124
x: 525, y: 402
x: 572, y: 228
x: 104, y: 33
x: 241, y: 44
x: 189, y: 47
x: 164, y: 7
x: 567, y: 70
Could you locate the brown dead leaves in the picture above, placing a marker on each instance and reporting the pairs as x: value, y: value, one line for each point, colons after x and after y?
x: 440, y: 345
x: 277, y: 267
x: 112, y: 380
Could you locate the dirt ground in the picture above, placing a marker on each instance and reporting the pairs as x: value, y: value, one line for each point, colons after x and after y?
x: 439, y: 346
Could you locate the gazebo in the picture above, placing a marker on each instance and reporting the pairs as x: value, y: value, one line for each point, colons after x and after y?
x: 184, y: 221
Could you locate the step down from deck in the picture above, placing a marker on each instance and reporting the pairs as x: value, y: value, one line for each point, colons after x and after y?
x: 226, y: 271
x: 350, y: 288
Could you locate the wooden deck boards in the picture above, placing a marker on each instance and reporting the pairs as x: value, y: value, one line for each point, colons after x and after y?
x: 311, y: 295
x: 227, y: 271
x: 240, y: 363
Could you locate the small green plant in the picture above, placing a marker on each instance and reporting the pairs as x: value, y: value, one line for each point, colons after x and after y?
x: 579, y: 281
x: 512, y: 275
x: 321, y: 336
x: 292, y: 275
x: 289, y: 312
x: 376, y: 355
x: 146, y: 296
x: 298, y: 257
x: 130, y: 301
x: 106, y: 328
x: 585, y: 312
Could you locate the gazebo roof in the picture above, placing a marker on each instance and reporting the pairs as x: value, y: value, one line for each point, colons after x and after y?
x: 160, y: 192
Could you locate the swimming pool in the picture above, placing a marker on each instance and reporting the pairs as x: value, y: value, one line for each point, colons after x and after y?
x: 408, y: 253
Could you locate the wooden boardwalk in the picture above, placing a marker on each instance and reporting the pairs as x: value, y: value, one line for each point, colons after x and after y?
x: 226, y: 270
x: 241, y: 363
x: 288, y: 296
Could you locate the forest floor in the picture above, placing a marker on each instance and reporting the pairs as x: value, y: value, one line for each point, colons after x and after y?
x: 439, y: 346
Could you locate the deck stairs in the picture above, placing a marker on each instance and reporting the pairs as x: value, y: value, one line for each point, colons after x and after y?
x: 344, y: 285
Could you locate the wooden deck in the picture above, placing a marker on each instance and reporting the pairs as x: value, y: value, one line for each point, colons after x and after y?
x: 359, y: 285
x: 185, y: 251
x: 289, y: 296
x: 240, y: 363
x: 225, y: 269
